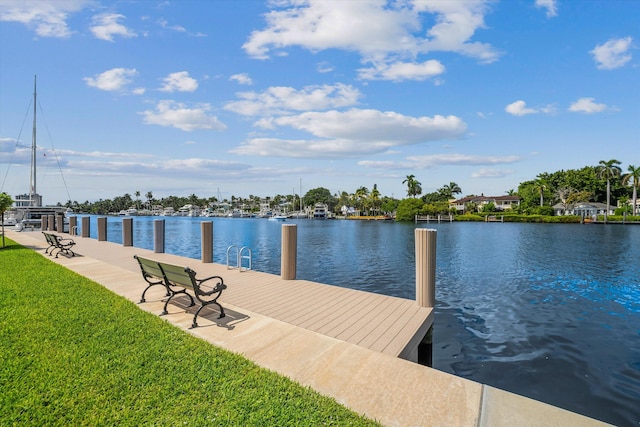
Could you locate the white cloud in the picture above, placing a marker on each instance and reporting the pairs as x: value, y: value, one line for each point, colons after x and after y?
x: 180, y: 82
x: 174, y: 114
x: 164, y: 24
x: 380, y: 32
x: 587, y: 105
x: 355, y: 132
x: 110, y: 80
x: 462, y: 159
x: 491, y: 173
x: 106, y: 25
x: 432, y: 160
x: 550, y: 5
x: 403, y: 71
x: 519, y: 108
x: 456, y: 23
x: 242, y: 79
x: 45, y: 17
x: 324, y: 67
x: 612, y: 54
x: 282, y: 99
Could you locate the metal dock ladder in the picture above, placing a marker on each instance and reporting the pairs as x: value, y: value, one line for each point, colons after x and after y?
x: 241, y: 255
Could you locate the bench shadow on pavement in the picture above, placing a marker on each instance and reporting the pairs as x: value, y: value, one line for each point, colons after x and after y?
x: 229, y: 321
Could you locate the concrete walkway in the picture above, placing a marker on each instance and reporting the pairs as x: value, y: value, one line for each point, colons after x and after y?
x: 393, y: 391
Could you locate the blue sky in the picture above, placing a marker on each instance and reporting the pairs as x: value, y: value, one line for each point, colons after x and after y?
x: 245, y: 97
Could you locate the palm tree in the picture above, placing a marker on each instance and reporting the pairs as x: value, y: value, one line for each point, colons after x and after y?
x: 539, y: 186
x: 149, y: 197
x: 413, y: 186
x: 448, y: 191
x: 608, y: 170
x: 454, y: 188
x: 360, y: 196
x: 375, y: 197
x: 137, y: 193
x: 633, y: 175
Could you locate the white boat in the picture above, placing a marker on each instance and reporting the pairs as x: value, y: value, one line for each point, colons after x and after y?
x: 188, y: 210
x: 278, y: 218
x: 298, y: 215
x: 265, y: 210
x: 156, y: 210
x: 168, y: 211
x: 320, y: 211
x: 10, y: 218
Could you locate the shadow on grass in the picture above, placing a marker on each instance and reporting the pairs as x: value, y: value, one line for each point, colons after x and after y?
x: 14, y: 246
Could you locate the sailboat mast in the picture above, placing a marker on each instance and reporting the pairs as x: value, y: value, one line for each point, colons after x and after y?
x: 32, y: 182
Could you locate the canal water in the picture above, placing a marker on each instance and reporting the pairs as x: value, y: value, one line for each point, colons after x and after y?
x: 547, y: 311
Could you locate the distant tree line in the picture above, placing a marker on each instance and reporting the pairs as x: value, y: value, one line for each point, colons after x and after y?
x: 604, y: 183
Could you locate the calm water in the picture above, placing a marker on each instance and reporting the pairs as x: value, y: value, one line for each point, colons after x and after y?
x: 551, y: 312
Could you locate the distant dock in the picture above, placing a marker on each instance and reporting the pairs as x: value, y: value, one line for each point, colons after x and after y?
x: 433, y: 218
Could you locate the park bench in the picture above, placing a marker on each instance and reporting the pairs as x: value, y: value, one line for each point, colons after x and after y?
x: 178, y: 280
x: 61, y: 244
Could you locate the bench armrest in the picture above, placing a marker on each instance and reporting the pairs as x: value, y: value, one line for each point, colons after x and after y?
x: 218, y: 287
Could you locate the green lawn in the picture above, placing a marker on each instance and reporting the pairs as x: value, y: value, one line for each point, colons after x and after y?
x: 72, y: 353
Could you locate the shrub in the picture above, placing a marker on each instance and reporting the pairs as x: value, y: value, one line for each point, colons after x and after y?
x: 408, y: 209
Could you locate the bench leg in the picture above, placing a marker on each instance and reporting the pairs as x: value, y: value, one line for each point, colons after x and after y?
x: 194, y: 324
x: 174, y: 293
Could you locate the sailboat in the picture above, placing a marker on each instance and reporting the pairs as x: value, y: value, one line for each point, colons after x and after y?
x: 29, y: 209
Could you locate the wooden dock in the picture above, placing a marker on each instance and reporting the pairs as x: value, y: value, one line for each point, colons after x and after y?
x: 388, y: 325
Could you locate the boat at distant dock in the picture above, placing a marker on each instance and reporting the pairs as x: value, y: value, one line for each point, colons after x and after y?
x: 29, y: 211
x: 320, y: 211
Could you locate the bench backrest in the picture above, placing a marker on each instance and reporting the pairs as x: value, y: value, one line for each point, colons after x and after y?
x: 51, y: 239
x: 150, y: 267
x: 178, y: 276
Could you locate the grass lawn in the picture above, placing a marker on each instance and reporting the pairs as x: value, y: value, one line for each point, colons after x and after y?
x: 74, y: 354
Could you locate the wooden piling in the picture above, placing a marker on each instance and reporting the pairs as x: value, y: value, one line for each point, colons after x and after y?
x: 425, y: 267
x: 127, y: 231
x: 73, y: 225
x: 288, y: 255
x: 86, y: 226
x: 102, y: 229
x: 206, y: 233
x: 158, y: 236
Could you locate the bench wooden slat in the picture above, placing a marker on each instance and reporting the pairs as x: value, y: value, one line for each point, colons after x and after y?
x: 176, y: 275
x: 152, y: 274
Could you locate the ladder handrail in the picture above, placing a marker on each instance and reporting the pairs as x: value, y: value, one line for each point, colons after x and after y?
x: 240, y: 255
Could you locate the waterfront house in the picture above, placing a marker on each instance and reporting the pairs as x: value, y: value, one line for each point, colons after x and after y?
x: 500, y: 202
x: 583, y: 209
